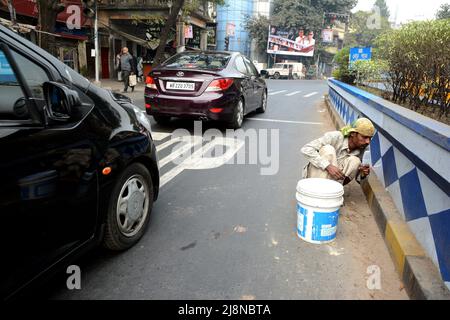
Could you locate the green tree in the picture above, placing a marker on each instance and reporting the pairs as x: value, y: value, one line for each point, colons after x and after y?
x: 362, y: 33
x: 48, y: 11
x: 307, y: 14
x: 366, y: 71
x: 443, y: 12
x: 178, y: 6
x: 343, y: 73
x: 258, y: 28
x: 419, y: 63
x: 384, y: 10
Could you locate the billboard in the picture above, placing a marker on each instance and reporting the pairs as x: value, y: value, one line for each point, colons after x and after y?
x: 231, y: 29
x: 327, y: 35
x: 293, y: 42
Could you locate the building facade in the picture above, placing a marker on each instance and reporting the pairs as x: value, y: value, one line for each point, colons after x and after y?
x: 234, y: 13
x: 231, y: 17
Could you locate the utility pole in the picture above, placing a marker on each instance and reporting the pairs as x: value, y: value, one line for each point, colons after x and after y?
x: 97, y: 57
x: 12, y: 12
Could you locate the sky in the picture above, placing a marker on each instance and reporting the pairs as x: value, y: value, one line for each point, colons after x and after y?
x: 406, y: 9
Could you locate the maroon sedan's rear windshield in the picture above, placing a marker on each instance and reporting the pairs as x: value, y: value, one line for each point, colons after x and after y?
x: 201, y: 61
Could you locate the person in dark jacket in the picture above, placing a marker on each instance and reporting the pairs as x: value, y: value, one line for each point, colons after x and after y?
x: 128, y: 67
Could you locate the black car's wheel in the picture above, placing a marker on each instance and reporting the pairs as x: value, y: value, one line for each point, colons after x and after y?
x: 162, y: 119
x: 276, y: 75
x: 129, y: 208
x: 263, y: 105
x: 238, y: 115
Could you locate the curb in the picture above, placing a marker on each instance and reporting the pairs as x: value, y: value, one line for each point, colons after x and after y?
x: 419, y: 274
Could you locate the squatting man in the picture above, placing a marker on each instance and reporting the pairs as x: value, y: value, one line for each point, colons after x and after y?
x: 338, y: 154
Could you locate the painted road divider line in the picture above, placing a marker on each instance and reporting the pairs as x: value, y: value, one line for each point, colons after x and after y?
x: 285, y: 121
x: 310, y: 95
x: 292, y: 93
x: 277, y: 92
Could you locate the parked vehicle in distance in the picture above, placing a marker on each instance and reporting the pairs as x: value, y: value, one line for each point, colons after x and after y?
x: 78, y: 166
x: 281, y: 71
x: 220, y: 86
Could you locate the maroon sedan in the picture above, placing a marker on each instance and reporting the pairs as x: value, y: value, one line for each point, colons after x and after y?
x: 223, y: 86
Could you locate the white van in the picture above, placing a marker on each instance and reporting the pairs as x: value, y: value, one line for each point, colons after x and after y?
x: 281, y: 70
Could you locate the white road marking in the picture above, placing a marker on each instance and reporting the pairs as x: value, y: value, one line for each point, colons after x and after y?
x: 197, y: 161
x: 180, y: 151
x: 276, y: 92
x: 292, y: 93
x: 310, y: 95
x: 160, y: 135
x: 166, y: 144
x: 285, y: 121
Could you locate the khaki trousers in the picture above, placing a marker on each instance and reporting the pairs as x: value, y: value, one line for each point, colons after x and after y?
x: 348, y: 165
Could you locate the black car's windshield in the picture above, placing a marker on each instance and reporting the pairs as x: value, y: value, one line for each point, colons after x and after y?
x: 198, y: 61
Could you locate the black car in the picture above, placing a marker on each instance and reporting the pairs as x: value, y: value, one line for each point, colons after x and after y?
x: 78, y: 166
x: 206, y: 85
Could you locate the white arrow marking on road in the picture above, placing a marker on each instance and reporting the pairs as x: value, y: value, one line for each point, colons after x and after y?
x: 293, y: 93
x: 197, y: 161
x: 285, y: 121
x: 310, y: 95
x: 276, y: 92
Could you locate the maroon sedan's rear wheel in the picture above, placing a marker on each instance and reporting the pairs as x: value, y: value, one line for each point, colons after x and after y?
x: 162, y: 119
x: 263, y: 105
x: 238, y: 115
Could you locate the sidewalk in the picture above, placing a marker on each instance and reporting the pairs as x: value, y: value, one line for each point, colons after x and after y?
x: 419, y: 275
x: 117, y: 86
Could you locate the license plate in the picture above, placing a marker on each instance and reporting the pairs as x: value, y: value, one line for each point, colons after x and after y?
x: 188, y: 86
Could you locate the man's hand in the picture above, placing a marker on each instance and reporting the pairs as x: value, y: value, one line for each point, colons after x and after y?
x: 335, y: 173
x: 364, y: 170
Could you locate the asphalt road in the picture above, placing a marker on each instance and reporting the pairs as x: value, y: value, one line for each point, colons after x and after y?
x: 229, y: 232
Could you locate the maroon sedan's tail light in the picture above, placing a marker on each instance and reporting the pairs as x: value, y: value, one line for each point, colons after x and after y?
x: 220, y: 84
x: 148, y: 106
x: 150, y: 83
x: 216, y: 110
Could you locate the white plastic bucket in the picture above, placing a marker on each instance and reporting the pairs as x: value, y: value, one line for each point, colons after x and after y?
x: 318, y: 203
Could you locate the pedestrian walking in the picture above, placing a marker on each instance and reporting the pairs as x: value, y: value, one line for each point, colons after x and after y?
x: 338, y: 154
x: 127, y: 67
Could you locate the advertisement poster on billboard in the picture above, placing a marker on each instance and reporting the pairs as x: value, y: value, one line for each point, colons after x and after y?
x: 293, y: 42
x: 188, y: 32
x: 231, y: 27
x: 327, y: 35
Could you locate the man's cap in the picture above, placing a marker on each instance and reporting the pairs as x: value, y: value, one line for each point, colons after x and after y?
x: 362, y: 126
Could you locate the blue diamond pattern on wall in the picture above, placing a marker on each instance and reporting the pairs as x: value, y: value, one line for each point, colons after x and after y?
x: 389, y: 168
x: 412, y: 196
x: 440, y: 225
x: 352, y: 117
x: 375, y: 152
x: 347, y: 111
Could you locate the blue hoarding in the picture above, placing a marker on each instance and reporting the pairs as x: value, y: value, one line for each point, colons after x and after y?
x: 360, y: 54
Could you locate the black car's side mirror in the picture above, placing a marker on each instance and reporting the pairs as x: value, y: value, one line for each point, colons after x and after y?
x: 60, y: 100
x: 264, y: 73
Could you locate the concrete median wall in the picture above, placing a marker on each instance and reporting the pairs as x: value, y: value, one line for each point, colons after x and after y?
x: 410, y: 156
